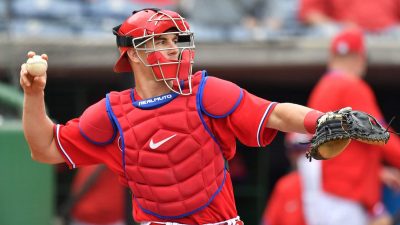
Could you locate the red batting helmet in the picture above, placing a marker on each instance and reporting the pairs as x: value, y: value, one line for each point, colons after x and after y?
x: 348, y: 41
x: 143, y: 26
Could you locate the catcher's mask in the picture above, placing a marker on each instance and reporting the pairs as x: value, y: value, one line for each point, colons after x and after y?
x: 144, y: 26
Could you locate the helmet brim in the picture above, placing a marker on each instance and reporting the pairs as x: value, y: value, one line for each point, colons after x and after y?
x: 122, y: 65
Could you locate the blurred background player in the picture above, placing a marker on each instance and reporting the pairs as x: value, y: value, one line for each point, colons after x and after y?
x: 346, y: 190
x: 391, y: 192
x: 97, y: 198
x: 330, y: 16
x: 285, y: 206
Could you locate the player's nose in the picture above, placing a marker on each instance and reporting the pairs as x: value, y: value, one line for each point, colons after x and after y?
x: 173, y: 49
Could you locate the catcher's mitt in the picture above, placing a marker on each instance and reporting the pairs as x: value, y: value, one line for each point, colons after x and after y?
x: 336, y: 129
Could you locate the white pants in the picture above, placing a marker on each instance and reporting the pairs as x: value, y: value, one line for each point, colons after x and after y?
x: 321, y: 208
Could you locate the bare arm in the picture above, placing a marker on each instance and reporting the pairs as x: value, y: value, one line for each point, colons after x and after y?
x: 288, y: 117
x: 38, y: 128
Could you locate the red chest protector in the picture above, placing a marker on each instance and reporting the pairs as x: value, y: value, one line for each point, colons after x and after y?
x: 173, y: 163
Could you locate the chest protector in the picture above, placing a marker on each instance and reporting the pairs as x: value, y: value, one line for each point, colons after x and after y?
x: 173, y: 163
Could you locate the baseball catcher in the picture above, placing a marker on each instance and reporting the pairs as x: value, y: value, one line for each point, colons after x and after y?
x: 335, y: 130
x: 170, y: 136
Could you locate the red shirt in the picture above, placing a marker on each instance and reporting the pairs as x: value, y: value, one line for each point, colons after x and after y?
x: 285, y: 206
x: 104, y: 202
x: 370, y: 15
x: 354, y: 174
x: 244, y: 123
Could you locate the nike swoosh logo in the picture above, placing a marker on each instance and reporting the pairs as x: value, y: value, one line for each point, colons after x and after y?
x: 158, y: 144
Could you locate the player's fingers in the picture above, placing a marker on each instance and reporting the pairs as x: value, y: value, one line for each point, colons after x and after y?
x: 24, y: 75
x: 30, y: 54
x: 24, y: 80
x: 45, y: 57
x: 39, y: 79
x: 23, y: 66
x: 24, y: 71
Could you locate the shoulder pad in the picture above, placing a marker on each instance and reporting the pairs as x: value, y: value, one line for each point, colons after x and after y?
x: 219, y: 98
x: 96, y: 126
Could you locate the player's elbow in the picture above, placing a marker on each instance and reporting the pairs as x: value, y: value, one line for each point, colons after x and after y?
x: 42, y: 159
x: 38, y: 157
x: 44, y: 156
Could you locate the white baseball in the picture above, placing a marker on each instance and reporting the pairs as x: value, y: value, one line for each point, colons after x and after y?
x: 36, y: 66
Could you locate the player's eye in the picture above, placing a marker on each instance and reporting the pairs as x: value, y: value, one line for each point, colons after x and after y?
x: 159, y: 42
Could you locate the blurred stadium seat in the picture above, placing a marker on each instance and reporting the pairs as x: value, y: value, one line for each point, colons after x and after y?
x: 3, y: 17
x: 3, y: 27
x: 97, y: 28
x: 21, y: 28
x: 221, y: 20
x: 100, y: 16
x: 3, y: 9
x: 216, y: 20
x: 103, y: 9
x: 50, y: 9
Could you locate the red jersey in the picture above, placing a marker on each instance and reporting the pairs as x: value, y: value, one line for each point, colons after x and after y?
x: 104, y: 202
x: 354, y: 174
x: 371, y: 15
x: 246, y: 123
x: 285, y: 206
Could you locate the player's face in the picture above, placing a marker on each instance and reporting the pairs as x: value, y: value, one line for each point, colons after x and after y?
x: 166, y: 44
x: 163, y: 54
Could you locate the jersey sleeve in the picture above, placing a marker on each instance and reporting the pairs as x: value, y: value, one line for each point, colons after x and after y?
x: 86, y: 140
x: 233, y: 108
x: 75, y: 149
x: 96, y: 125
x: 219, y: 98
x: 248, y: 121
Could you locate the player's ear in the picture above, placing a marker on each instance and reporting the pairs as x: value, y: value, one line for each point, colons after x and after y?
x: 132, y: 54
